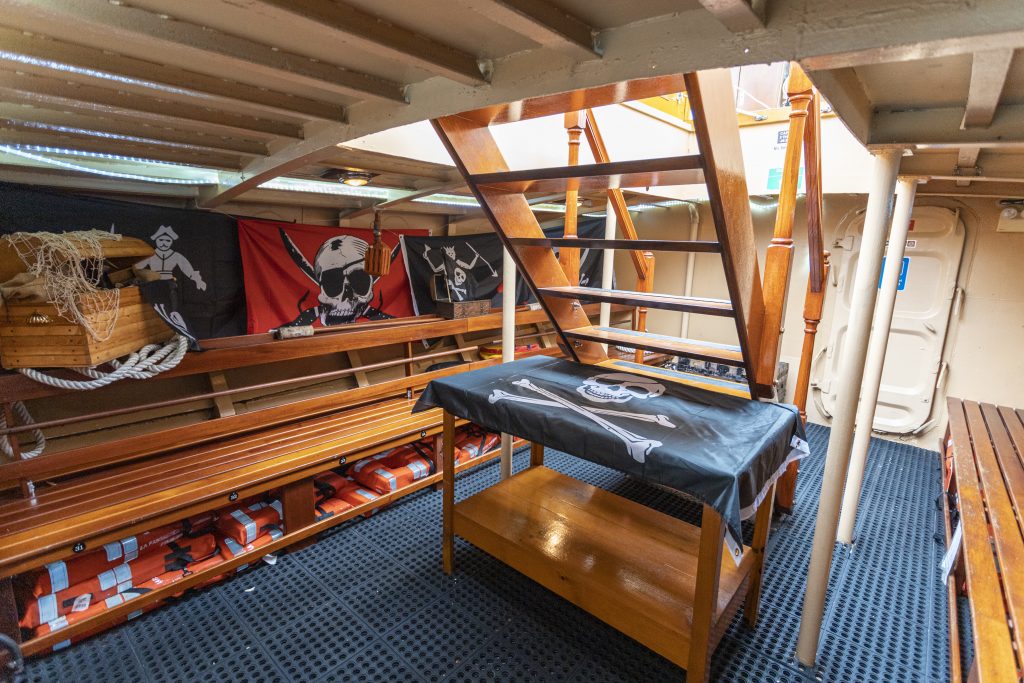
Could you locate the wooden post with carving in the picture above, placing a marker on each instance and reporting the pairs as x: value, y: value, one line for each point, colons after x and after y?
x: 575, y: 122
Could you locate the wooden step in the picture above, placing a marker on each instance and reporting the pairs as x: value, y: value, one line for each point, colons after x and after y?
x: 667, y: 302
x: 551, y: 528
x: 700, y: 247
x: 675, y: 346
x: 682, y: 170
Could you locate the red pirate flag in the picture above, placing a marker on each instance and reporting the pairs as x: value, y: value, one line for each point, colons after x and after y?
x: 307, y: 274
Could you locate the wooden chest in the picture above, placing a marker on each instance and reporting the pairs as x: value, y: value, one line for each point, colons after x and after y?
x: 462, y: 309
x: 50, y: 341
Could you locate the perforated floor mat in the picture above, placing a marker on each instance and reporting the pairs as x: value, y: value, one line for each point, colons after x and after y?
x: 369, y: 602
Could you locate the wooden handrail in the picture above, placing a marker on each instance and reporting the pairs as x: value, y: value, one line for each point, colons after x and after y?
x: 569, y: 258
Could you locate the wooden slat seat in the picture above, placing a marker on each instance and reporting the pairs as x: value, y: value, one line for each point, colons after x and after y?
x: 987, y: 476
x: 89, y: 508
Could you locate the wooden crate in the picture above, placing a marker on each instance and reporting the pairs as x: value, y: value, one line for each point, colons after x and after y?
x: 61, y: 344
x: 462, y: 309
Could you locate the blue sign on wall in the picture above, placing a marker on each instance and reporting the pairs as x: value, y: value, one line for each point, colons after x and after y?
x: 903, y: 274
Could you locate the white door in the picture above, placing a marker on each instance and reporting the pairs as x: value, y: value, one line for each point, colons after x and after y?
x: 927, y: 287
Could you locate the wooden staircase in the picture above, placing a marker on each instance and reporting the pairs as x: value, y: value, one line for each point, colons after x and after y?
x: 719, y: 165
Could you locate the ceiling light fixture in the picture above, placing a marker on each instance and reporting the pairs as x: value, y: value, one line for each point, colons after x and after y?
x: 356, y: 178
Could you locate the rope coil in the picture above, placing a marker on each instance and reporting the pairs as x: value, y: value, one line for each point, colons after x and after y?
x: 146, y: 363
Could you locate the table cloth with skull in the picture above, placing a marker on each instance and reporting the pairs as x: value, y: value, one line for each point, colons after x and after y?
x: 722, y: 450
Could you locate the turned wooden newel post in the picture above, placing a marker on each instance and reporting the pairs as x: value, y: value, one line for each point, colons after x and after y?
x: 575, y: 122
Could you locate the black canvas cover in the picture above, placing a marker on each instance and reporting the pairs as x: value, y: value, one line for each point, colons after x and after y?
x: 198, y: 249
x: 723, y: 450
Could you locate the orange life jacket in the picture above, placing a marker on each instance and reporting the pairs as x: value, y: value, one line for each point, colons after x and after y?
x: 393, y: 469
x: 330, y: 507
x: 62, y: 574
x: 245, y: 524
x: 173, y: 556
x: 230, y: 547
x: 472, y: 442
x: 87, y: 609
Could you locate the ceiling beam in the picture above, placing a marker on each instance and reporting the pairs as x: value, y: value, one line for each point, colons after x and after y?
x: 11, y: 136
x: 166, y: 33
x: 542, y: 22
x: 13, y: 173
x: 844, y: 91
x: 69, y: 61
x: 940, y: 127
x: 26, y: 88
x: 411, y: 196
x: 690, y: 39
x: 737, y: 15
x: 989, y: 70
x: 970, y: 39
x: 385, y: 39
x: 952, y: 188
x: 29, y: 119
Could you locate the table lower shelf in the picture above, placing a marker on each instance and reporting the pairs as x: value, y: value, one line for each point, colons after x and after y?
x: 630, y: 566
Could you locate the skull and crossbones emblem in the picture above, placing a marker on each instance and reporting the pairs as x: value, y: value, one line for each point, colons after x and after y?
x: 607, y: 388
x: 346, y: 289
x: 458, y: 272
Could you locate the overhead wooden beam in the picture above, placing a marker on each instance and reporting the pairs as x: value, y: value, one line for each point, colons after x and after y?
x: 78, y: 62
x: 32, y: 120
x: 542, y: 22
x: 12, y: 136
x: 737, y: 15
x: 30, y: 89
x: 168, y: 34
x: 940, y: 127
x: 411, y: 196
x: 386, y: 39
x: 11, y: 172
x: 989, y: 70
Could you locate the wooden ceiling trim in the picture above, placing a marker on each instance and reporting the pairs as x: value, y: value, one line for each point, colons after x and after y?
x: 542, y: 22
x: 738, y: 16
x: 72, y: 61
x: 386, y: 39
x: 247, y: 56
x: 989, y: 70
x: 23, y: 88
x: 33, y: 120
x: 81, y: 143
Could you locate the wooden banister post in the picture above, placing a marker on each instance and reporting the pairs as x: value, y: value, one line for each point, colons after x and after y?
x: 644, y: 284
x: 575, y: 122
x: 780, y: 252
x: 785, y: 488
x: 448, y: 494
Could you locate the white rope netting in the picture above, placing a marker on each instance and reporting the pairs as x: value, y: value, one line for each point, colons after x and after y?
x: 71, y: 265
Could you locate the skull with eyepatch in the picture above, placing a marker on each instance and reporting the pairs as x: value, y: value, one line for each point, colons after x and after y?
x: 346, y: 289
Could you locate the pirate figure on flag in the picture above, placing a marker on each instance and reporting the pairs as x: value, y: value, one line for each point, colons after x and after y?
x: 346, y: 289
x: 462, y: 281
x: 165, y: 260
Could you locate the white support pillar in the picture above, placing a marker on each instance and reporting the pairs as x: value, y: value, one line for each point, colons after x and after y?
x: 906, y: 188
x: 508, y: 341
x: 608, y: 265
x: 851, y: 370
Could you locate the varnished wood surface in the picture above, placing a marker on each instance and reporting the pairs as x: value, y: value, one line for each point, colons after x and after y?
x: 681, y: 170
x: 718, y: 137
x: 17, y: 387
x: 143, y: 445
x: 293, y: 537
x: 706, y: 595
x: 994, y: 658
x: 576, y: 100
x: 696, y: 246
x: 179, y: 485
x: 674, y: 346
x: 630, y: 566
x: 667, y: 302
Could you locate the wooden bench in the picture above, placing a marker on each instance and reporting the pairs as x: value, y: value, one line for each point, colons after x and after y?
x: 985, y: 481
x: 94, y: 494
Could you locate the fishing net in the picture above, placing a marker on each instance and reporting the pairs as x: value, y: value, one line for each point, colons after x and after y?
x: 71, y: 267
